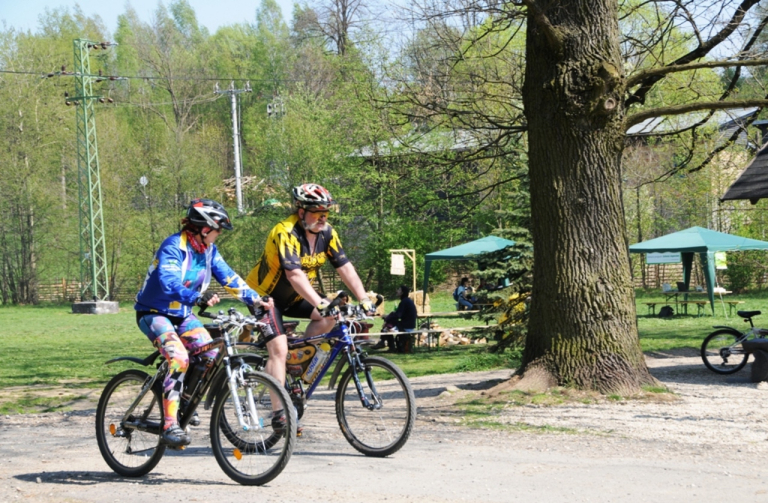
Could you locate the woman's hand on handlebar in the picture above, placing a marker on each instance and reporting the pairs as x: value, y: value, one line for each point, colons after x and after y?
x: 207, y: 299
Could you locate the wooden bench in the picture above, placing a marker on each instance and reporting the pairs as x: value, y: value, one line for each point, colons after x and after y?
x: 431, y: 335
x: 701, y: 306
x: 652, y: 307
x: 732, y: 304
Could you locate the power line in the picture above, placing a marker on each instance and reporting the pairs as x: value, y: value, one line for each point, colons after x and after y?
x: 141, y: 77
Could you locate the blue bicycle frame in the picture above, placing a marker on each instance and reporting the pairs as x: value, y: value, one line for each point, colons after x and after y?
x: 343, y: 340
x: 343, y: 343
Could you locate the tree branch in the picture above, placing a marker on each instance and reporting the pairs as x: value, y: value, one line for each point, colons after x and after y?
x: 691, y: 107
x: 473, y: 192
x: 665, y: 70
x: 554, y: 36
x: 700, y: 51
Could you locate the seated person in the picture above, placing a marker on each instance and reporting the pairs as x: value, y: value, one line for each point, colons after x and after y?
x: 387, y: 340
x: 463, y: 295
x: 485, y: 285
x: 403, y: 319
x: 344, y: 306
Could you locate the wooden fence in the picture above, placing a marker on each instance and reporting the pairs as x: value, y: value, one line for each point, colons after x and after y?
x: 658, y: 274
x: 67, y: 290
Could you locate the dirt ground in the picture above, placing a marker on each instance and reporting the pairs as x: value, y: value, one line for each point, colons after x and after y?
x: 706, y: 444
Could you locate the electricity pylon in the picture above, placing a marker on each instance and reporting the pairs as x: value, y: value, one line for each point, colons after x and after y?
x: 94, y: 275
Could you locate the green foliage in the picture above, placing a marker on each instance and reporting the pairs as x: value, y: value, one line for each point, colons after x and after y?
x: 745, y: 270
x: 405, y: 178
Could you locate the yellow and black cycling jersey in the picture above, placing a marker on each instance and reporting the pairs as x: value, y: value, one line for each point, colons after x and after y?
x: 288, y: 249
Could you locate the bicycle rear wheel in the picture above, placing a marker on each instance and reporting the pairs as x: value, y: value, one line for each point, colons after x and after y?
x: 258, y: 454
x: 383, y: 430
x: 132, y: 447
x: 723, y: 353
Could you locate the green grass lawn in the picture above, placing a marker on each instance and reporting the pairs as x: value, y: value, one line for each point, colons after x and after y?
x: 681, y: 331
x: 48, y: 345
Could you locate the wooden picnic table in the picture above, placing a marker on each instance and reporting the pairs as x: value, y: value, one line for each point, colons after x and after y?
x: 430, y: 333
x: 444, y: 314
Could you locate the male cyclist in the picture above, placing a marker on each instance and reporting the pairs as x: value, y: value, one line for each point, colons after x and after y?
x: 296, y: 249
x: 177, y: 281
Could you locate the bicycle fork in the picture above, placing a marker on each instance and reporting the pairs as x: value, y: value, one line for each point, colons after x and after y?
x: 235, y: 378
x: 356, y: 365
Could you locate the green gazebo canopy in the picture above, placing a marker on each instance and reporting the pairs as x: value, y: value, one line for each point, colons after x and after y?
x: 699, y: 240
x: 467, y: 251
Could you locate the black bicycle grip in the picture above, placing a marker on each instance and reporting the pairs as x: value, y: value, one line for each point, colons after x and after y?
x: 201, y: 313
x: 257, y: 310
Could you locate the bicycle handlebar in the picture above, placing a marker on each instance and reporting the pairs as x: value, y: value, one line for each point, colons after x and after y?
x: 235, y: 317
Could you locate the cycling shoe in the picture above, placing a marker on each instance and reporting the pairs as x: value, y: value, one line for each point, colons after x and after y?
x: 195, y: 420
x: 278, y: 423
x: 175, y: 437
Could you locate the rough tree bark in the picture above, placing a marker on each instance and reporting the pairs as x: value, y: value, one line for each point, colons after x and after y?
x: 582, y: 329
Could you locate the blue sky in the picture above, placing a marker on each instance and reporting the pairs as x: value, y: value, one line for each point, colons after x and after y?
x: 23, y: 14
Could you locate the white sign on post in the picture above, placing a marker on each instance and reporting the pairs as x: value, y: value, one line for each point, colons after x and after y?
x: 720, y: 261
x: 397, y: 266
x: 663, y: 258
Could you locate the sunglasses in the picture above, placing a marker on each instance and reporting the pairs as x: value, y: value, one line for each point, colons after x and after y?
x: 319, y: 213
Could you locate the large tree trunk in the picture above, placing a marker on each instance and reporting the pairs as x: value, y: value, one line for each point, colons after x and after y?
x: 582, y: 329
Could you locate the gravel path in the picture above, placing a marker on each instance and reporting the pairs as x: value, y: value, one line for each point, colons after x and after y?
x: 706, y: 445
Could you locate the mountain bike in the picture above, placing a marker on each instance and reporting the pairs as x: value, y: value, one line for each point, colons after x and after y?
x: 375, y: 404
x: 722, y: 350
x: 129, y: 417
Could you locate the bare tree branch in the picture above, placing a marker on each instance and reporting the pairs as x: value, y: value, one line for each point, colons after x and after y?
x: 699, y: 52
x: 639, y: 77
x: 691, y: 107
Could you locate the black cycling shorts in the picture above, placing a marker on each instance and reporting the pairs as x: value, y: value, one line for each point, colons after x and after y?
x: 274, y: 318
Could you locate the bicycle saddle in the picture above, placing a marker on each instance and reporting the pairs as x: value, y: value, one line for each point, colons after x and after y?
x: 289, y: 327
x: 748, y: 314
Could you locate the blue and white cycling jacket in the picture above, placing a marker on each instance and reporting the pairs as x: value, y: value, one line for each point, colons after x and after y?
x: 178, y: 276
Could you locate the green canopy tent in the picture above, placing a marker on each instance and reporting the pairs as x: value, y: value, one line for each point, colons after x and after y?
x: 705, y: 242
x: 467, y: 251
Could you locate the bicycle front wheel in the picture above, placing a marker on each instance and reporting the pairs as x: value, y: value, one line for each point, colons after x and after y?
x: 723, y: 353
x: 130, y: 445
x: 253, y: 453
x: 383, y: 428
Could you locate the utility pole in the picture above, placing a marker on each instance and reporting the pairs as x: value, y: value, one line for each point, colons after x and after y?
x: 236, y: 137
x: 94, y: 274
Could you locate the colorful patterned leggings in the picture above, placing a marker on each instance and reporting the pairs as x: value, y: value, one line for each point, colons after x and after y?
x: 173, y: 342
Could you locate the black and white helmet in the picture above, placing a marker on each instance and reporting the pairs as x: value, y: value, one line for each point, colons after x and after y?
x: 208, y: 213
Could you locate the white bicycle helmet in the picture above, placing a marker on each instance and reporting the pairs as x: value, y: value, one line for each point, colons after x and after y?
x: 311, y: 196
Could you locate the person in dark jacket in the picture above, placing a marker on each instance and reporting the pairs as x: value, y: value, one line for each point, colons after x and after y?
x: 404, y: 319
